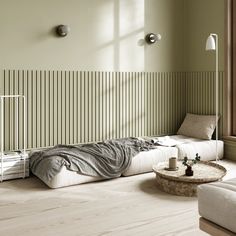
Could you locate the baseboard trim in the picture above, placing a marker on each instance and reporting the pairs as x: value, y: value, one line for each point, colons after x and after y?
x: 213, y: 229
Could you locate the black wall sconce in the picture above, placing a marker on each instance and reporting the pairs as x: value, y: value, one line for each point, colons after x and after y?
x: 62, y: 30
x: 152, y: 38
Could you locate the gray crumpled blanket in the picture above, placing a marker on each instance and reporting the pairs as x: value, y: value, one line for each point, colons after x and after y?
x: 108, y: 159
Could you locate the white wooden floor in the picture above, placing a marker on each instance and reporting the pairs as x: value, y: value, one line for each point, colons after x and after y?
x: 124, y: 206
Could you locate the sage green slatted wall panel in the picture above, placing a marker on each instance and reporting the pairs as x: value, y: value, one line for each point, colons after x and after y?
x: 75, y: 107
x: 200, y: 94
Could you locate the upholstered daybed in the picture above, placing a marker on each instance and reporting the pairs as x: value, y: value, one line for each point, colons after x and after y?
x: 181, y: 146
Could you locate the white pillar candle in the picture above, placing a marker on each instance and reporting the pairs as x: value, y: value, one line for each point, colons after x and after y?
x: 172, y: 163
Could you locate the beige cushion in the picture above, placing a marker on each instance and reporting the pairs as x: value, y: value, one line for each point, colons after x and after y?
x: 198, y: 126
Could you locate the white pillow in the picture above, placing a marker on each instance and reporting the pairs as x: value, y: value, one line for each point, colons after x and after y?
x: 198, y: 126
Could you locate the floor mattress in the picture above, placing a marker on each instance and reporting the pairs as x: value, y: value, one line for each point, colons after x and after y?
x: 67, y: 178
x: 143, y: 162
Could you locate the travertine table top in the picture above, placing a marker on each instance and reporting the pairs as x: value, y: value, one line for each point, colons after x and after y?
x: 203, y: 172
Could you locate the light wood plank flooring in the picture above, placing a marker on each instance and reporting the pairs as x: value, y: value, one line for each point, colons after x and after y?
x: 125, y: 206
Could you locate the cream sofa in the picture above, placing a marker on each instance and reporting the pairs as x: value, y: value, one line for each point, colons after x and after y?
x: 217, y: 207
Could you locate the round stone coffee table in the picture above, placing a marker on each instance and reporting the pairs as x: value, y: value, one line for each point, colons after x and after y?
x: 176, y: 182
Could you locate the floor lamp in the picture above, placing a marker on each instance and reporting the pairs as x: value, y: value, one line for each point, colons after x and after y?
x: 212, y: 45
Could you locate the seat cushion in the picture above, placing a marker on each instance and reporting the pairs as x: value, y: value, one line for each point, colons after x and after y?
x: 217, y: 203
x: 144, y: 161
x: 67, y: 178
x: 206, y: 149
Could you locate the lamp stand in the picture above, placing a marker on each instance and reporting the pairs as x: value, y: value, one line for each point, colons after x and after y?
x: 212, y: 45
x: 217, y: 95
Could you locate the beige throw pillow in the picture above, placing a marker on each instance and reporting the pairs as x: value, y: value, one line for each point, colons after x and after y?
x: 198, y: 126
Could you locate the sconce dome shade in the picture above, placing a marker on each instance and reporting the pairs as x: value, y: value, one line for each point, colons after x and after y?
x: 152, y: 38
x: 210, y: 43
x: 62, y: 30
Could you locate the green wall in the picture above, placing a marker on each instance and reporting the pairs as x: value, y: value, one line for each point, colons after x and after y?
x: 230, y: 149
x: 203, y: 17
x: 77, y: 107
x: 108, y: 36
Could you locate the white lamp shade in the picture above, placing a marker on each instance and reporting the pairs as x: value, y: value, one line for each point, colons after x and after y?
x: 210, y: 43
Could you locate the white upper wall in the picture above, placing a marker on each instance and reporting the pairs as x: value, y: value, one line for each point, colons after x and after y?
x: 106, y: 35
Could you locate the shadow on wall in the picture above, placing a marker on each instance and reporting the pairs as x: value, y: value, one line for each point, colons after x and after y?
x: 122, y: 37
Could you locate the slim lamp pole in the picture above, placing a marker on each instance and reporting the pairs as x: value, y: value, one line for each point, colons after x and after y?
x: 217, y: 97
x: 212, y: 44
x: 2, y: 138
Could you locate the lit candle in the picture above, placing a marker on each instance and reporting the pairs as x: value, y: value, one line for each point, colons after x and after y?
x: 173, y: 163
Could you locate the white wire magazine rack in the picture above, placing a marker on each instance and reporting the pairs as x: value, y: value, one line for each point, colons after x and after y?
x: 13, y: 164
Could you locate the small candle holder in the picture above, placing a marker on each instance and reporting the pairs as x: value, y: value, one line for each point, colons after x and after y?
x: 172, y: 164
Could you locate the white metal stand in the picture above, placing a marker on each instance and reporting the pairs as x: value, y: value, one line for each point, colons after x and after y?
x: 13, y: 158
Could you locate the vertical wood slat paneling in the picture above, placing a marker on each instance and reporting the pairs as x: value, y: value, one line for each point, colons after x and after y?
x: 200, y: 94
x: 72, y: 107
